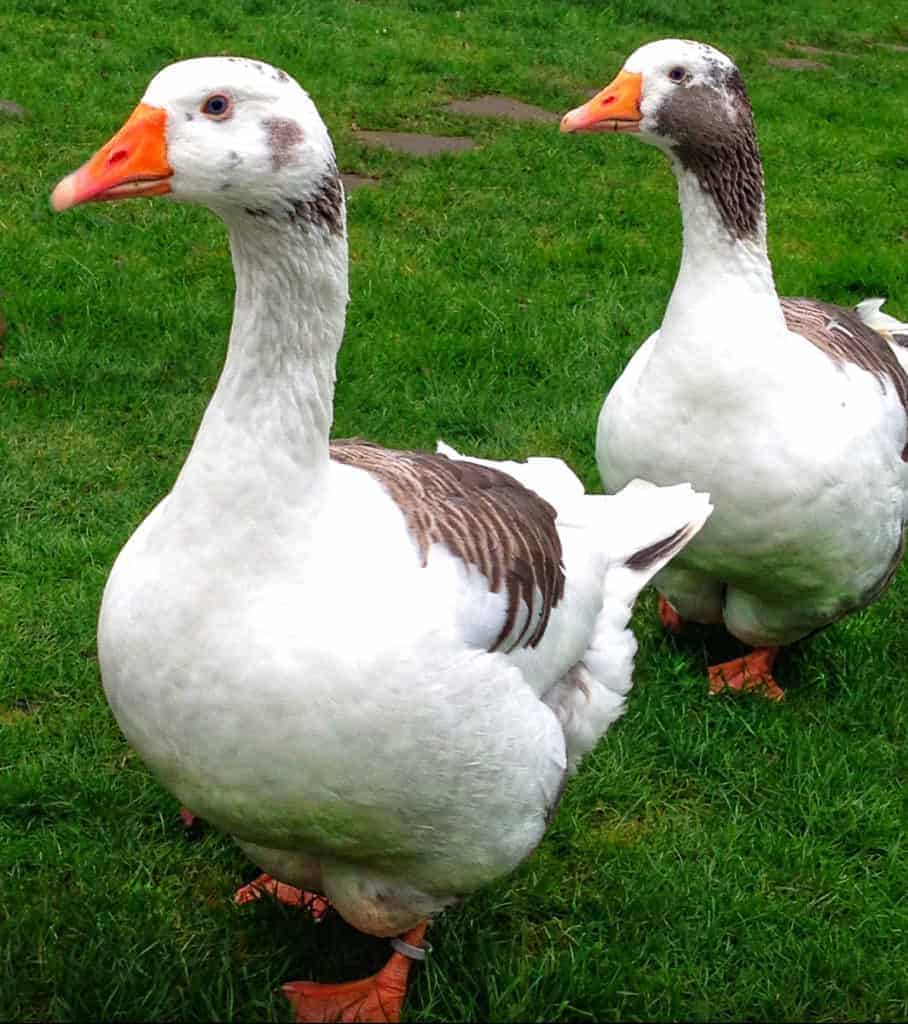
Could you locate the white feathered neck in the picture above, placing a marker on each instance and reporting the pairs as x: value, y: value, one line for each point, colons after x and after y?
x: 723, y: 279
x: 273, y: 405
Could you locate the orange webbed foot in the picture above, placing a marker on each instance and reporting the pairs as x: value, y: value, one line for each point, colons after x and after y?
x: 670, y: 619
x: 379, y: 997
x: 264, y: 885
x: 752, y: 672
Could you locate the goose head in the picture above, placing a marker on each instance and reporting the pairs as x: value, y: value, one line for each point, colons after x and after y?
x: 238, y: 136
x: 688, y: 99
x: 673, y: 93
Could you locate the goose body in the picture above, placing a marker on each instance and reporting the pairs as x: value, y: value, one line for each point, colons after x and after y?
x: 792, y: 412
x: 337, y: 700
x: 374, y: 668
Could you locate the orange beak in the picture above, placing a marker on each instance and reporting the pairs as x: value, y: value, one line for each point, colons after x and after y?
x: 615, y: 109
x: 133, y: 163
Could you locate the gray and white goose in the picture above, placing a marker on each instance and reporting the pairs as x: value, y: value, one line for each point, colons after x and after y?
x: 374, y: 668
x: 793, y: 413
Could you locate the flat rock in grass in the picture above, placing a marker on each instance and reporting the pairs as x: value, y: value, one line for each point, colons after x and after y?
x: 12, y: 109
x: 502, y: 106
x: 797, y: 64
x: 353, y: 181
x: 815, y: 51
x: 414, y: 143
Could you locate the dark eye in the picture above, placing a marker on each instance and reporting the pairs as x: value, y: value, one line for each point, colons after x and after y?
x: 677, y: 74
x: 217, y: 106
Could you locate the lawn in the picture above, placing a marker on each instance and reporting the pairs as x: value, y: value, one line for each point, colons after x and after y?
x: 716, y: 859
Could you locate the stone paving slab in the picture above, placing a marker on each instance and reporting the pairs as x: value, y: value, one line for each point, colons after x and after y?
x: 414, y: 143
x: 502, y: 106
x: 352, y: 181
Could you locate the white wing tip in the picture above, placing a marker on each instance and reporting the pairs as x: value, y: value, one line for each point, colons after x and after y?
x: 870, y: 305
x: 445, y: 449
x: 683, y: 492
x: 871, y: 313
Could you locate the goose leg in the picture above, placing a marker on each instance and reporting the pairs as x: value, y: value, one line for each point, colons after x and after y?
x: 670, y: 619
x: 379, y: 997
x: 317, y: 905
x: 752, y: 672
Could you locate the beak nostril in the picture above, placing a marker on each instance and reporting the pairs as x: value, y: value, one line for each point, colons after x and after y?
x: 607, y: 99
x: 117, y: 156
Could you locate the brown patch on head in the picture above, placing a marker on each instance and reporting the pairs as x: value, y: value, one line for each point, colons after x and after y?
x: 284, y: 135
x: 484, y: 517
x: 711, y: 130
x: 845, y: 338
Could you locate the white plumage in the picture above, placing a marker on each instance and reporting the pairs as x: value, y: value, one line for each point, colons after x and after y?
x: 275, y: 639
x: 791, y: 413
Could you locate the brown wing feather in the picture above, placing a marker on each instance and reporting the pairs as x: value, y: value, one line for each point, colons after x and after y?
x: 483, y: 516
x: 845, y: 338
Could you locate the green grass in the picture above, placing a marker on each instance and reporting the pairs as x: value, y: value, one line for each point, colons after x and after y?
x: 715, y: 859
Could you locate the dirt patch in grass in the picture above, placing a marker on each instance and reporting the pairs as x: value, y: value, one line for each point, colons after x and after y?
x: 797, y: 64
x: 415, y: 144
x: 502, y: 106
x: 816, y: 51
x: 11, y: 108
x: 15, y: 712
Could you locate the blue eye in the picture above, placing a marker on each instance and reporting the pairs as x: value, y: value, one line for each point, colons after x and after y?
x: 218, y: 106
x: 677, y: 74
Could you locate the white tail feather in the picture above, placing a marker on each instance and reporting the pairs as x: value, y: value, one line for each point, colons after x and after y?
x: 648, y: 526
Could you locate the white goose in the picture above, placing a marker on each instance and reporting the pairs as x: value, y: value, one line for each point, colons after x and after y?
x: 375, y: 669
x: 791, y: 412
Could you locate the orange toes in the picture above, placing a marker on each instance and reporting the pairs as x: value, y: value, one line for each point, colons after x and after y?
x: 752, y: 672
x: 264, y: 885
x: 364, y: 1000
x: 670, y: 619
x: 189, y: 820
